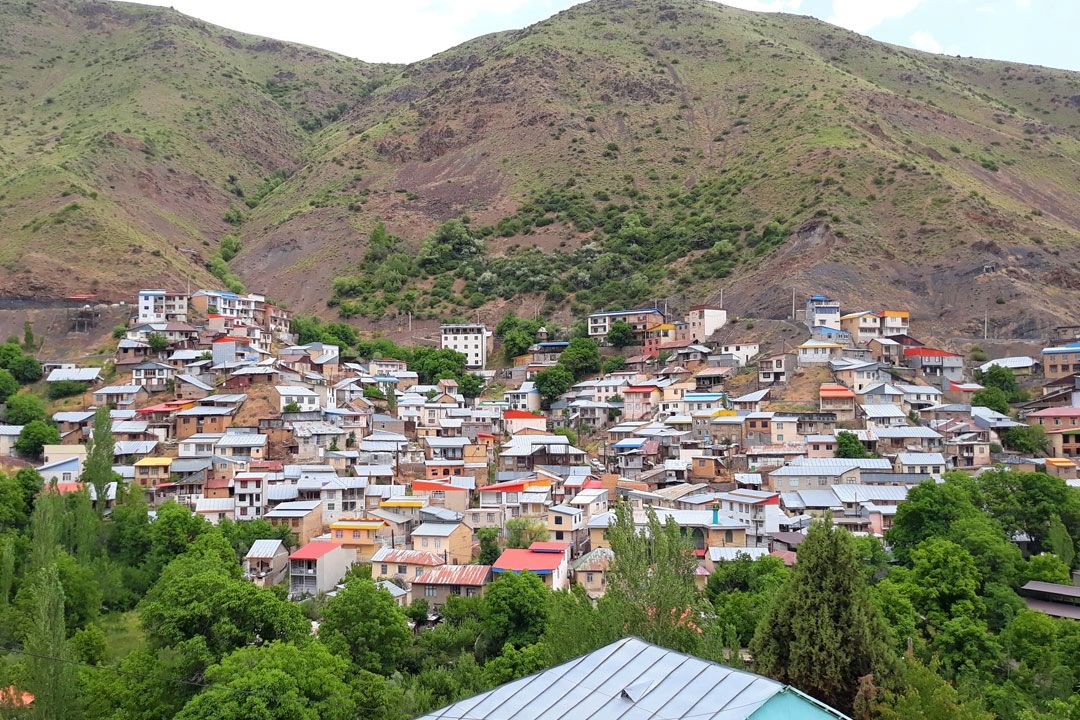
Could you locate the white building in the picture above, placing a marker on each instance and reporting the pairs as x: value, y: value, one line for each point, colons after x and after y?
x: 822, y: 311
x: 703, y: 320
x: 162, y: 306
x: 471, y: 340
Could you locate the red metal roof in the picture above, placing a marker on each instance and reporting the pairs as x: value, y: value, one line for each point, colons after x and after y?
x: 313, y: 550
x: 454, y: 575
x: 432, y: 485
x: 927, y: 352
x: 513, y: 485
x: 271, y: 465
x: 517, y: 559
x: 548, y: 546
x: 1056, y: 412
x: 647, y: 389
x: 520, y: 415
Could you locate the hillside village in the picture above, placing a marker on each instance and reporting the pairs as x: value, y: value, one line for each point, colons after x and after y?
x: 443, y: 477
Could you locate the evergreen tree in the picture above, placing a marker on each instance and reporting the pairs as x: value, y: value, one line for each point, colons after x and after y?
x: 49, y: 679
x: 97, y: 470
x: 822, y: 633
x: 489, y: 546
x: 7, y: 570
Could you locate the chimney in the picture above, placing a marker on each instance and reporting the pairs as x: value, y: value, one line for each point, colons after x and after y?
x: 716, y: 514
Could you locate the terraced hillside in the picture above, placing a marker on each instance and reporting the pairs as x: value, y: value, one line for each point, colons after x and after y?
x: 617, y: 152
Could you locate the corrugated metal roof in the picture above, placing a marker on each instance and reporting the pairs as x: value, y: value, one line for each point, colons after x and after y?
x: 629, y: 679
x: 454, y: 575
x: 263, y: 549
x: 78, y: 374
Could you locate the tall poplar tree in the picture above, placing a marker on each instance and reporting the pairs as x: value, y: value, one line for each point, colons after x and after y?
x: 51, y: 680
x: 97, y: 470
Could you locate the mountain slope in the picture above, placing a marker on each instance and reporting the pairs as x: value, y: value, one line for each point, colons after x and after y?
x: 617, y: 152
x: 122, y: 124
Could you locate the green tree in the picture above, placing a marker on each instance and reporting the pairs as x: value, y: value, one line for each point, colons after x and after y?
x: 97, y: 469
x: 66, y: 388
x: 1003, y: 379
x: 25, y: 369
x: 650, y: 582
x: 200, y: 594
x: 930, y: 510
x: 1047, y: 568
x: 620, y: 334
x: 553, y: 382
x: 993, y: 398
x: 34, y: 436
x: 822, y: 633
x: 448, y: 247
x: 740, y: 591
x: 581, y: 357
x: 157, y: 342
x: 945, y: 575
x: 1026, y: 439
x: 8, y: 385
x: 29, y: 343
x: 521, y: 532
x: 489, y: 546
x: 1059, y: 541
x: 1026, y: 502
x: 24, y: 408
x: 927, y: 696
x: 363, y: 623
x: 848, y: 445
x: 515, y: 612
x: 277, y: 681
x: 53, y: 683
x: 567, y: 433
x: 516, y: 342
x: 615, y: 363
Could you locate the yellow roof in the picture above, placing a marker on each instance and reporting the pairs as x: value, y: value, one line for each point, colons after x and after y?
x: 352, y: 523
x: 154, y: 461
x: 852, y: 316
x: 896, y: 313
x: 1060, y: 462
x: 402, y: 502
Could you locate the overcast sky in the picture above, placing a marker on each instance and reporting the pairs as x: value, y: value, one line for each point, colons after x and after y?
x: 1041, y: 32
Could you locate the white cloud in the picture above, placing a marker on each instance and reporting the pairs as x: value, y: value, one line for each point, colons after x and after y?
x: 395, y: 31
x: 863, y: 15
x: 1023, y: 4
x: 987, y: 9
x: 922, y: 40
x: 766, y: 5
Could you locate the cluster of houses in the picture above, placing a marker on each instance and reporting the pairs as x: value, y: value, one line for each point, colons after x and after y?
x: 219, y: 409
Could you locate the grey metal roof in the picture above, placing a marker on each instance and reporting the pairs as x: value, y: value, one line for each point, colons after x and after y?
x: 79, y: 374
x: 263, y: 549
x: 630, y: 679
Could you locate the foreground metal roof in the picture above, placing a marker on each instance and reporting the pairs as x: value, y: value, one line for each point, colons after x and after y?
x: 632, y: 680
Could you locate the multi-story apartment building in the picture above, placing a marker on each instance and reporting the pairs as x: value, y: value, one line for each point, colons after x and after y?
x: 157, y: 306
x: 822, y: 311
x: 641, y: 319
x: 471, y: 340
x: 1061, y: 361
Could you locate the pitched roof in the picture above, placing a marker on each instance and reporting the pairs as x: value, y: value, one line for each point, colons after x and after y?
x: 454, y: 575
x: 519, y: 559
x: 313, y: 550
x: 631, y: 678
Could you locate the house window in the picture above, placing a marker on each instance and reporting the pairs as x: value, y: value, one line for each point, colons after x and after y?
x: 438, y: 544
x: 558, y: 519
x: 383, y: 569
x: 402, y: 569
x: 338, y: 533
x: 356, y: 534
x: 589, y: 577
x: 727, y: 536
x: 558, y: 534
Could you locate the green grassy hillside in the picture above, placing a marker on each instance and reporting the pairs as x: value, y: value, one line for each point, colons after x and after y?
x: 615, y: 153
